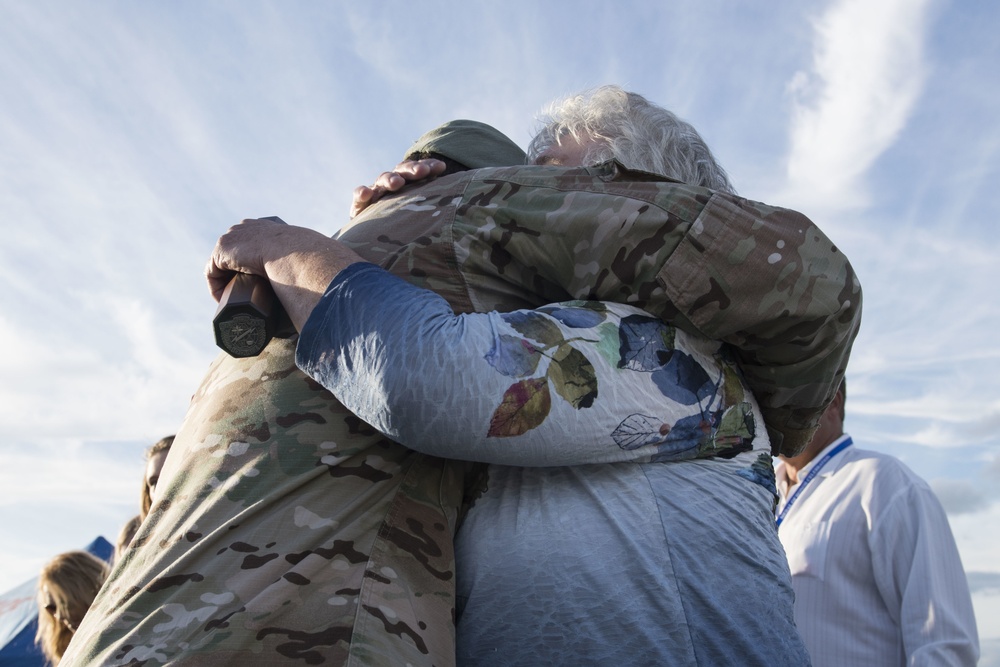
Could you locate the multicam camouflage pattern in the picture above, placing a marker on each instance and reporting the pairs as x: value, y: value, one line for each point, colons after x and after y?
x: 765, y: 280
x: 289, y: 532
x: 271, y: 546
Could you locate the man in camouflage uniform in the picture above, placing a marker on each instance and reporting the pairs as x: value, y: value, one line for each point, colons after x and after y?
x: 291, y: 530
x: 287, y: 531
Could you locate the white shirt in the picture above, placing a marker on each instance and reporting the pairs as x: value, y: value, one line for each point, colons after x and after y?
x: 877, y: 576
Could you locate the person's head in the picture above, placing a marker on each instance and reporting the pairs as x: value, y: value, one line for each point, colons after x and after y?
x: 67, y: 586
x: 125, y: 536
x: 466, y: 144
x: 155, y: 456
x: 609, y: 122
x: 831, y: 427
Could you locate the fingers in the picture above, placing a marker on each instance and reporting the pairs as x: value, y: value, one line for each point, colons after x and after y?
x: 437, y: 167
x: 365, y: 196
x: 405, y: 172
x: 389, y: 181
x: 415, y: 170
x: 361, y: 199
x: 217, y: 279
x: 238, y: 250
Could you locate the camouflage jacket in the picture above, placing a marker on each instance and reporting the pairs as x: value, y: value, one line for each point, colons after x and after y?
x: 765, y: 280
x: 289, y: 531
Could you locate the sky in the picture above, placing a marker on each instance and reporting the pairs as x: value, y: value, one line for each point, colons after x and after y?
x: 132, y: 134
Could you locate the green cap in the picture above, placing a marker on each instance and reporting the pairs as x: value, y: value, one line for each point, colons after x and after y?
x: 470, y: 143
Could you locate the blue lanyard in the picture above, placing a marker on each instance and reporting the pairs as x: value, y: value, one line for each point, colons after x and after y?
x: 812, y: 473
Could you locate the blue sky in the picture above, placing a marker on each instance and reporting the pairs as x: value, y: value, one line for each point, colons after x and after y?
x: 133, y: 134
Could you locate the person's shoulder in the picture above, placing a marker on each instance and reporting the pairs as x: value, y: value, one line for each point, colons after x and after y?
x: 594, y: 185
x: 538, y: 173
x: 880, y: 460
x: 887, y: 471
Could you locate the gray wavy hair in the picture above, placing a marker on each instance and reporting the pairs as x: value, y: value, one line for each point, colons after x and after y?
x: 614, y: 123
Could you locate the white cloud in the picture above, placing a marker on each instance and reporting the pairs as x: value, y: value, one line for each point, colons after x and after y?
x: 984, y: 582
x: 64, y: 472
x: 866, y: 76
x: 993, y: 468
x: 977, y: 542
x: 944, y: 403
x: 60, y: 495
x: 989, y: 648
x: 959, y: 496
x: 926, y: 361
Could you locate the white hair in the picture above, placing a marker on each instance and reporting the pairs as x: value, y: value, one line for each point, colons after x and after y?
x: 614, y: 123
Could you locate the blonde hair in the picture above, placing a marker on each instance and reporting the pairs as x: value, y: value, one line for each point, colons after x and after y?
x: 614, y: 123
x: 125, y: 535
x: 145, y: 499
x: 72, y: 580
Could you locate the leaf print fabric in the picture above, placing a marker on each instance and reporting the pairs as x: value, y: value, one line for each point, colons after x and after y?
x: 524, y: 406
x: 566, y: 384
x: 523, y: 237
x: 570, y: 373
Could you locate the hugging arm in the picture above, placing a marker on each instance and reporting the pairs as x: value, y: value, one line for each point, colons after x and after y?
x: 564, y: 384
x: 765, y: 280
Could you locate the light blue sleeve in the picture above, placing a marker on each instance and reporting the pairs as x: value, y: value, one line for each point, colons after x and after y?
x: 566, y: 384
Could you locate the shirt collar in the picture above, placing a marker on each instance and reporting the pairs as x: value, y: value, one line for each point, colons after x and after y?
x: 781, y: 474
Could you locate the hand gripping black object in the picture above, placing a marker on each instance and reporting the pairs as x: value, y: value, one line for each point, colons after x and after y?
x: 250, y: 314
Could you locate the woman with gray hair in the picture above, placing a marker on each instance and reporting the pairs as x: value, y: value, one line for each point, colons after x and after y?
x: 671, y: 559
x: 609, y: 122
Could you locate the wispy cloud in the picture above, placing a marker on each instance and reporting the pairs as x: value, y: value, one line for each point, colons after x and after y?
x: 959, y: 496
x: 64, y: 472
x: 978, y: 544
x: 984, y: 582
x: 866, y: 75
x: 989, y: 648
x: 59, y: 496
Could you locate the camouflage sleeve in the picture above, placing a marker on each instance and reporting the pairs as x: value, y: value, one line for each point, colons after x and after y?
x: 565, y: 384
x: 763, y: 279
x: 770, y: 283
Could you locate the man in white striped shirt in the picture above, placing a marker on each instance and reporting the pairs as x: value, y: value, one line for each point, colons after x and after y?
x: 877, y: 576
